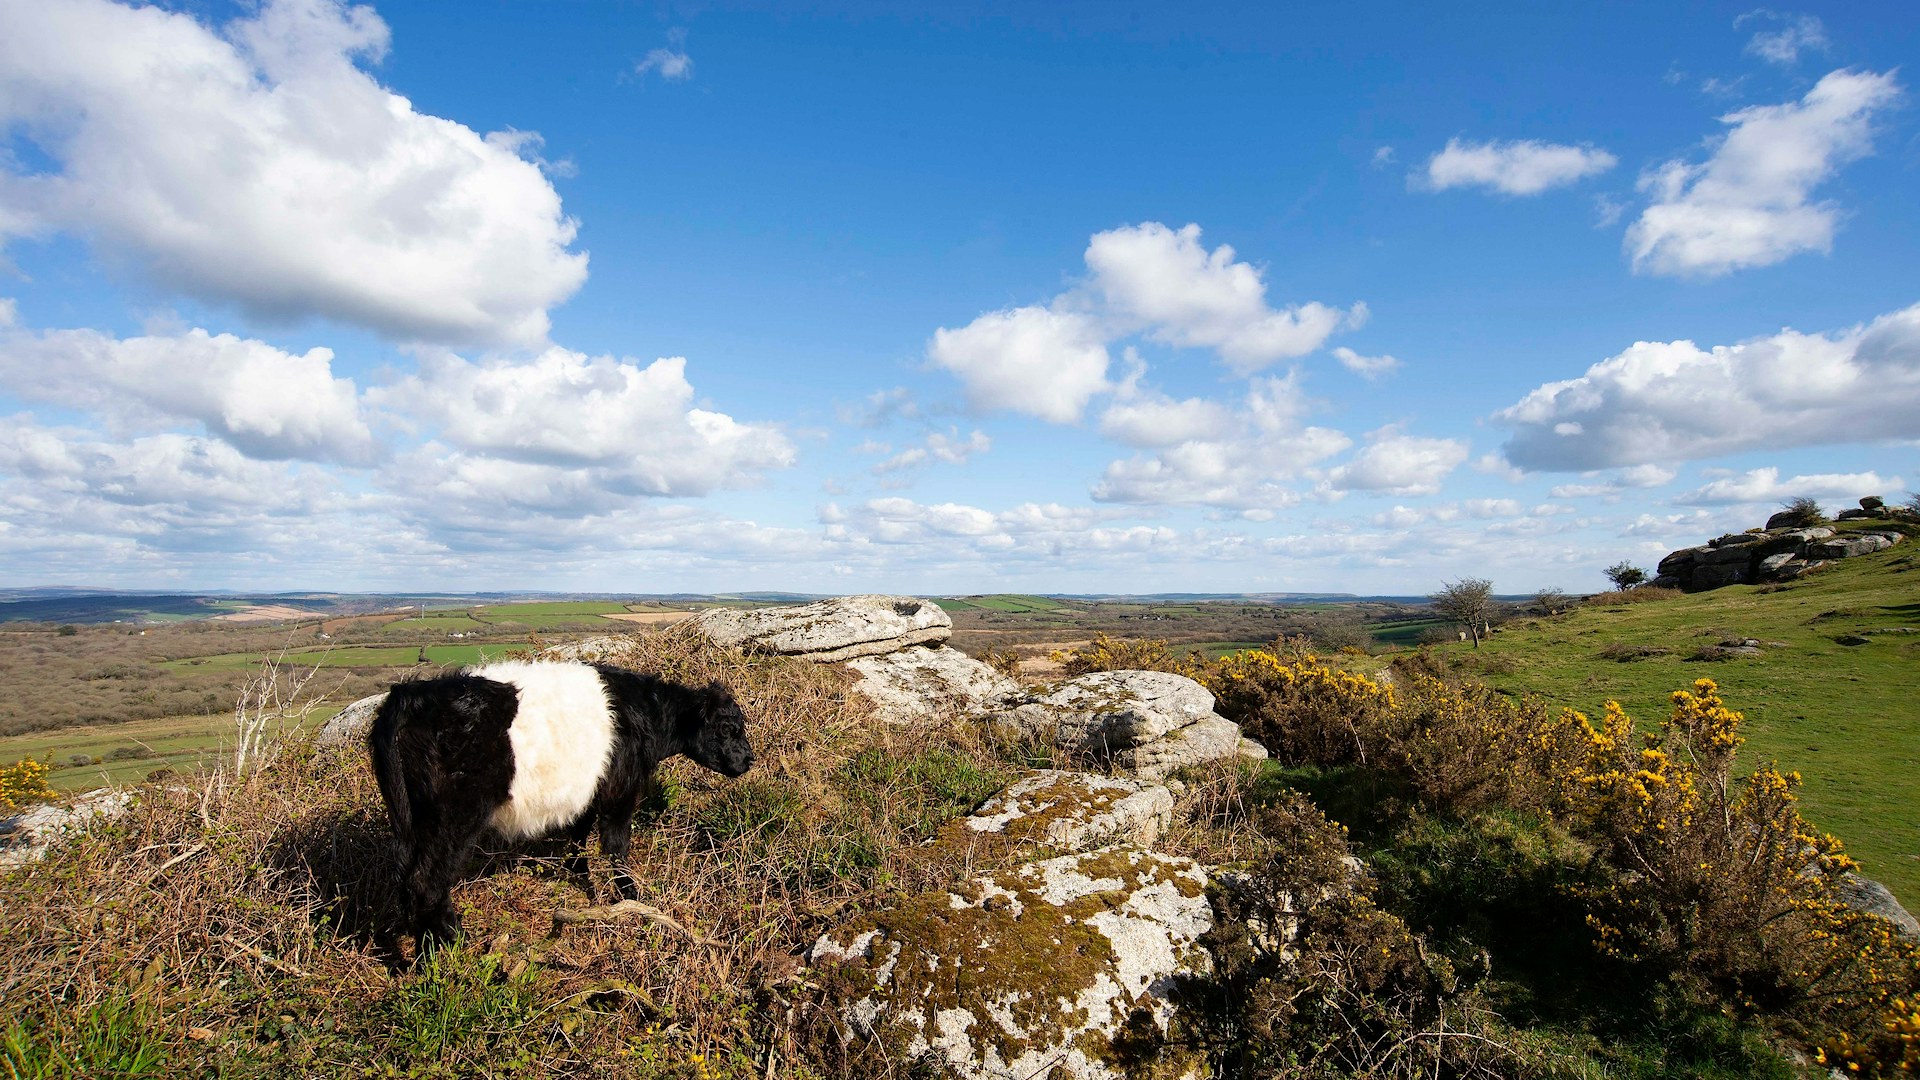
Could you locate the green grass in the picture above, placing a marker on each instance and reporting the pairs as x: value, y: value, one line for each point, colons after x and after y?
x: 448, y: 623
x: 1846, y: 716
x: 508, y: 623
x: 469, y: 654
x: 1213, y: 650
x: 1405, y: 632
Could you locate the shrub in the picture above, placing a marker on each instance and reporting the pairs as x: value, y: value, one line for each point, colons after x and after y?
x: 1105, y: 653
x: 1802, y: 511
x: 1313, y: 979
x: 22, y: 783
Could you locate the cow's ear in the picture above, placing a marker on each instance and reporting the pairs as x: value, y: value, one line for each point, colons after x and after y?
x: 717, y: 697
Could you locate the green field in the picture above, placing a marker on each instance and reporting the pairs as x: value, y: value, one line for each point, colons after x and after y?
x: 1015, y: 604
x: 1405, y: 632
x: 1213, y: 650
x: 445, y: 623
x: 1834, y: 695
x: 498, y: 612
x: 181, y: 743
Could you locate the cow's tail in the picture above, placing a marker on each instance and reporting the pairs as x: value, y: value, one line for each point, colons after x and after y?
x: 383, y: 742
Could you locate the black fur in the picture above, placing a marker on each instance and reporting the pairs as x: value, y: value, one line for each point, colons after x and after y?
x: 444, y: 761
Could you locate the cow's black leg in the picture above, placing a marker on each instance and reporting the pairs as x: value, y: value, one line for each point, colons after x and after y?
x: 577, y: 845
x: 616, y: 840
x: 439, y: 857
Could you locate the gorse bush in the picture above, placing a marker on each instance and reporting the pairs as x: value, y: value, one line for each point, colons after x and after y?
x: 1105, y: 653
x: 23, y: 783
x: 1714, y: 878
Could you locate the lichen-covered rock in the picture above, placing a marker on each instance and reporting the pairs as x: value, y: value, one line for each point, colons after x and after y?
x: 827, y: 631
x: 1033, y: 971
x: 347, y: 729
x: 1072, y: 811
x: 25, y: 836
x: 917, y: 683
x: 1848, y: 547
x: 1208, y: 739
x: 1145, y: 722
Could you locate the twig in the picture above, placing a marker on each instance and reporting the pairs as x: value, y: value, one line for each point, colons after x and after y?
x: 197, y: 849
x: 280, y: 966
x: 564, y: 917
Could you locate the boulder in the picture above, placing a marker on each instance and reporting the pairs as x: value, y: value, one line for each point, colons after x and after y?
x: 1207, y: 739
x: 1847, y: 547
x: 1145, y: 722
x: 919, y: 683
x: 827, y: 631
x: 26, y: 835
x: 348, y: 728
x: 1038, y: 970
x: 1868, y: 895
x: 1778, y: 567
x: 1072, y: 811
x: 1854, y: 515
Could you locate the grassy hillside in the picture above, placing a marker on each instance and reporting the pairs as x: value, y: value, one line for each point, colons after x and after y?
x: 1835, y: 693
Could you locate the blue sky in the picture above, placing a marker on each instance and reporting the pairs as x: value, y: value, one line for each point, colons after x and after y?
x: 834, y: 298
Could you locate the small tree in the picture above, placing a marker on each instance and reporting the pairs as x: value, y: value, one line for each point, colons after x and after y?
x: 1551, y: 600
x: 1625, y: 575
x: 1468, y: 601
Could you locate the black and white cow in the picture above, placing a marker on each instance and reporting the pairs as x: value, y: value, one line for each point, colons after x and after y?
x: 526, y: 748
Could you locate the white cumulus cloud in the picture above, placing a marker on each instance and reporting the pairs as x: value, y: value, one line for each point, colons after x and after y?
x: 1661, y: 402
x: 1252, y: 458
x: 257, y: 164
x: 265, y: 402
x: 1765, y: 485
x: 1166, y: 281
x: 947, y: 448
x: 1034, y: 360
x: 1400, y: 464
x: 579, y: 427
x: 1514, y: 167
x: 1749, y: 203
x: 1050, y: 360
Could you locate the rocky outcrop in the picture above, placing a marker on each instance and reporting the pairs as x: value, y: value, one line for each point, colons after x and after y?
x: 25, y: 836
x: 1765, y: 555
x: 1070, y: 811
x: 1147, y: 723
x: 1038, y: 970
x: 918, y: 683
x: 827, y: 631
x: 347, y: 728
